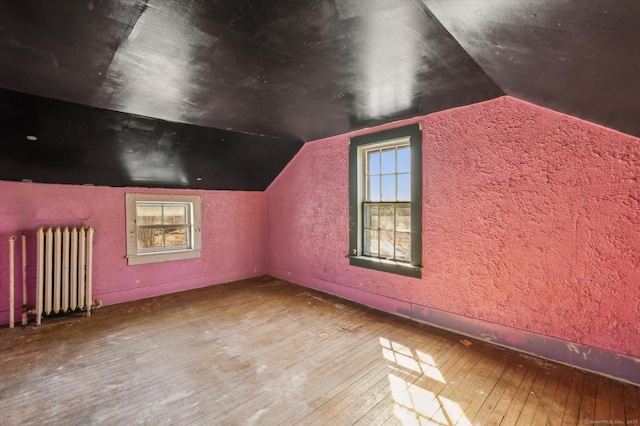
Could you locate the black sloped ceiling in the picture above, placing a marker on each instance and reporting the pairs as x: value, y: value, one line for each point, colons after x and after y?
x: 220, y: 94
x: 77, y: 144
x: 579, y: 57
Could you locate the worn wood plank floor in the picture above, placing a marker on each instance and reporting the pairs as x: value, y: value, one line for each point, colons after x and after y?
x: 264, y: 351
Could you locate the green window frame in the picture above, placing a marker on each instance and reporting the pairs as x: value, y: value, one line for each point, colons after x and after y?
x: 385, y: 201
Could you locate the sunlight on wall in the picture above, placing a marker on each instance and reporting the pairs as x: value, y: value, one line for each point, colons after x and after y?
x: 413, y: 404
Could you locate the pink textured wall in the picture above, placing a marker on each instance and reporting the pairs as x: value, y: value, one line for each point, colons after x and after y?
x: 233, y: 239
x: 530, y: 220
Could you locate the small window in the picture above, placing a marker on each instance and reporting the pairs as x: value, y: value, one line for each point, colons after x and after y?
x: 162, y: 228
x: 386, y: 201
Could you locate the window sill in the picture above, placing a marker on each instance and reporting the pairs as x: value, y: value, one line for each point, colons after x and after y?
x: 390, y: 266
x: 144, y: 258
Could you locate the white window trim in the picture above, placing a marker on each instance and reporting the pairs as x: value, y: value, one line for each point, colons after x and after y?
x: 136, y: 258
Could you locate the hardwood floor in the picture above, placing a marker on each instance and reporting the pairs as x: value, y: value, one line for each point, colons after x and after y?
x: 264, y: 351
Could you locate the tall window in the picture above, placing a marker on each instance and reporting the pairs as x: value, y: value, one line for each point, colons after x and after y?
x: 162, y: 228
x: 385, y: 201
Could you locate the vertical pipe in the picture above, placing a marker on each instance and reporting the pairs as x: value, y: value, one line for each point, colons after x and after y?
x: 40, y: 276
x: 89, y: 270
x: 11, y: 281
x: 25, y: 316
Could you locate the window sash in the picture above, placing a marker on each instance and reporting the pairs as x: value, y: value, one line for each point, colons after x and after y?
x: 379, y: 179
x: 163, y: 226
x: 375, y: 234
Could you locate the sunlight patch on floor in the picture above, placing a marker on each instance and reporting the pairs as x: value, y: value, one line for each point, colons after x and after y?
x: 413, y: 404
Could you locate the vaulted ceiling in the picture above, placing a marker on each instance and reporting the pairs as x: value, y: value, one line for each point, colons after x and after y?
x: 220, y: 94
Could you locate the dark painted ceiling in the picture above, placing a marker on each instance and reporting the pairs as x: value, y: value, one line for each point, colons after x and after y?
x: 82, y: 145
x: 579, y: 57
x: 162, y: 92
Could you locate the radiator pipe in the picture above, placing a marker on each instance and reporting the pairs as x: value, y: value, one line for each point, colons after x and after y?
x: 12, y: 241
x: 25, y: 314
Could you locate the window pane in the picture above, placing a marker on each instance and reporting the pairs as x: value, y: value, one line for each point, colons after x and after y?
x: 149, y: 214
x: 403, y: 246
x: 389, y: 160
x: 175, y: 214
x: 370, y: 243
x: 158, y: 234
x: 373, y: 188
x: 145, y: 238
x: 150, y: 238
x: 389, y: 188
x: 386, y: 217
x: 404, y: 159
x: 404, y: 187
x: 174, y: 237
x: 403, y: 219
x: 375, y: 217
x: 371, y: 216
x: 386, y: 244
x: 373, y: 162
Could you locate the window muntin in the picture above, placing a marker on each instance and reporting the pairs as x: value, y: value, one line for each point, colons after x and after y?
x: 385, y: 201
x: 163, y: 226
